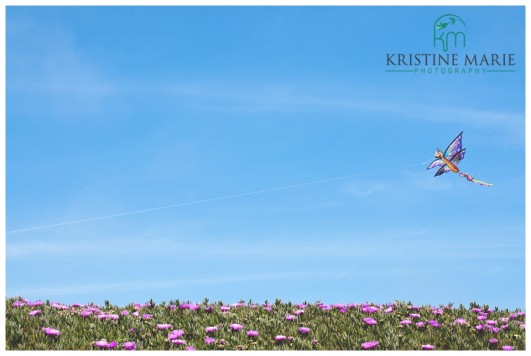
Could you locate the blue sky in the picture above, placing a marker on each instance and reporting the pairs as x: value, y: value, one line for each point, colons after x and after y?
x: 117, y: 109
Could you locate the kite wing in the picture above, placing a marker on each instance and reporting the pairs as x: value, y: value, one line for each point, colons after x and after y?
x: 454, y: 147
x: 458, y: 157
x: 436, y: 163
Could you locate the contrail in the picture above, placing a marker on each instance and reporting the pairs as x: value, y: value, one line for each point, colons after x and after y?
x: 232, y: 196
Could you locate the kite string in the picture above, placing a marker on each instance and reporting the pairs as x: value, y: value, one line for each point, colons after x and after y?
x: 210, y: 199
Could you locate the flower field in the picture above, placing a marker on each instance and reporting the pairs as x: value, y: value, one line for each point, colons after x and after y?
x: 36, y: 325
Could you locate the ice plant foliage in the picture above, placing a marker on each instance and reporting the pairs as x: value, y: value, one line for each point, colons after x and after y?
x: 268, y: 326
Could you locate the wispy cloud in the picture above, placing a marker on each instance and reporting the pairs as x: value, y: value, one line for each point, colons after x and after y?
x: 55, y: 75
x: 363, y: 189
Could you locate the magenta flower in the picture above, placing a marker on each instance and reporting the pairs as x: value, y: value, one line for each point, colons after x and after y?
x: 369, y: 345
x: 35, y: 312
x: 225, y: 308
x: 389, y: 310
x: 112, y: 345
x: 18, y: 303
x: 493, y: 341
x: 211, y: 329
x: 280, y: 338
x: 460, y: 321
x: 507, y: 348
x: 482, y: 317
x: 252, y: 333
x: 51, y: 331
x: 147, y: 316
x: 414, y: 316
x: 479, y: 327
x: 304, y: 330
x: 369, y: 309
x: 129, y: 345
x: 370, y: 321
x: 124, y: 312
x: 298, y: 312
x: 209, y: 340
x: 113, y: 316
x: 492, y: 322
x: 428, y: 347
x: 290, y: 317
x: 434, y: 323
x: 405, y: 322
x: 189, y: 348
x: 437, y: 311
x: 236, y: 327
x: 175, y: 334
x: 178, y: 342
x: 101, y: 343
x: 163, y: 326
x: 420, y: 324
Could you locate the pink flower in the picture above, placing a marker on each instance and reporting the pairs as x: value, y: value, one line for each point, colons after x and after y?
x: 209, y: 340
x: 298, y: 312
x: 420, y: 324
x: 189, y: 348
x: 18, y: 303
x: 280, y: 338
x: 414, y: 316
x: 124, y: 312
x: 175, y: 334
x: 147, y: 316
x: 225, y: 308
x: 236, y: 327
x: 178, y: 342
x: 493, y: 341
x: 129, y: 345
x: 290, y: 317
x: 405, y: 322
x: 304, y: 330
x: 460, y: 321
x: 369, y: 309
x: 163, y: 326
x: 434, y: 323
x: 103, y: 344
x: 370, y: 321
x: 428, y: 347
x: 369, y: 345
x: 35, y: 312
x: 51, y: 331
x: 507, y: 348
x: 252, y: 333
x: 211, y: 329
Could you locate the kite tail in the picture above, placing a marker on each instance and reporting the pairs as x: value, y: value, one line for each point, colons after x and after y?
x: 471, y: 178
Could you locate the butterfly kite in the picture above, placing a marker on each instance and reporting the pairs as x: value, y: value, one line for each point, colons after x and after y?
x: 451, y: 157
